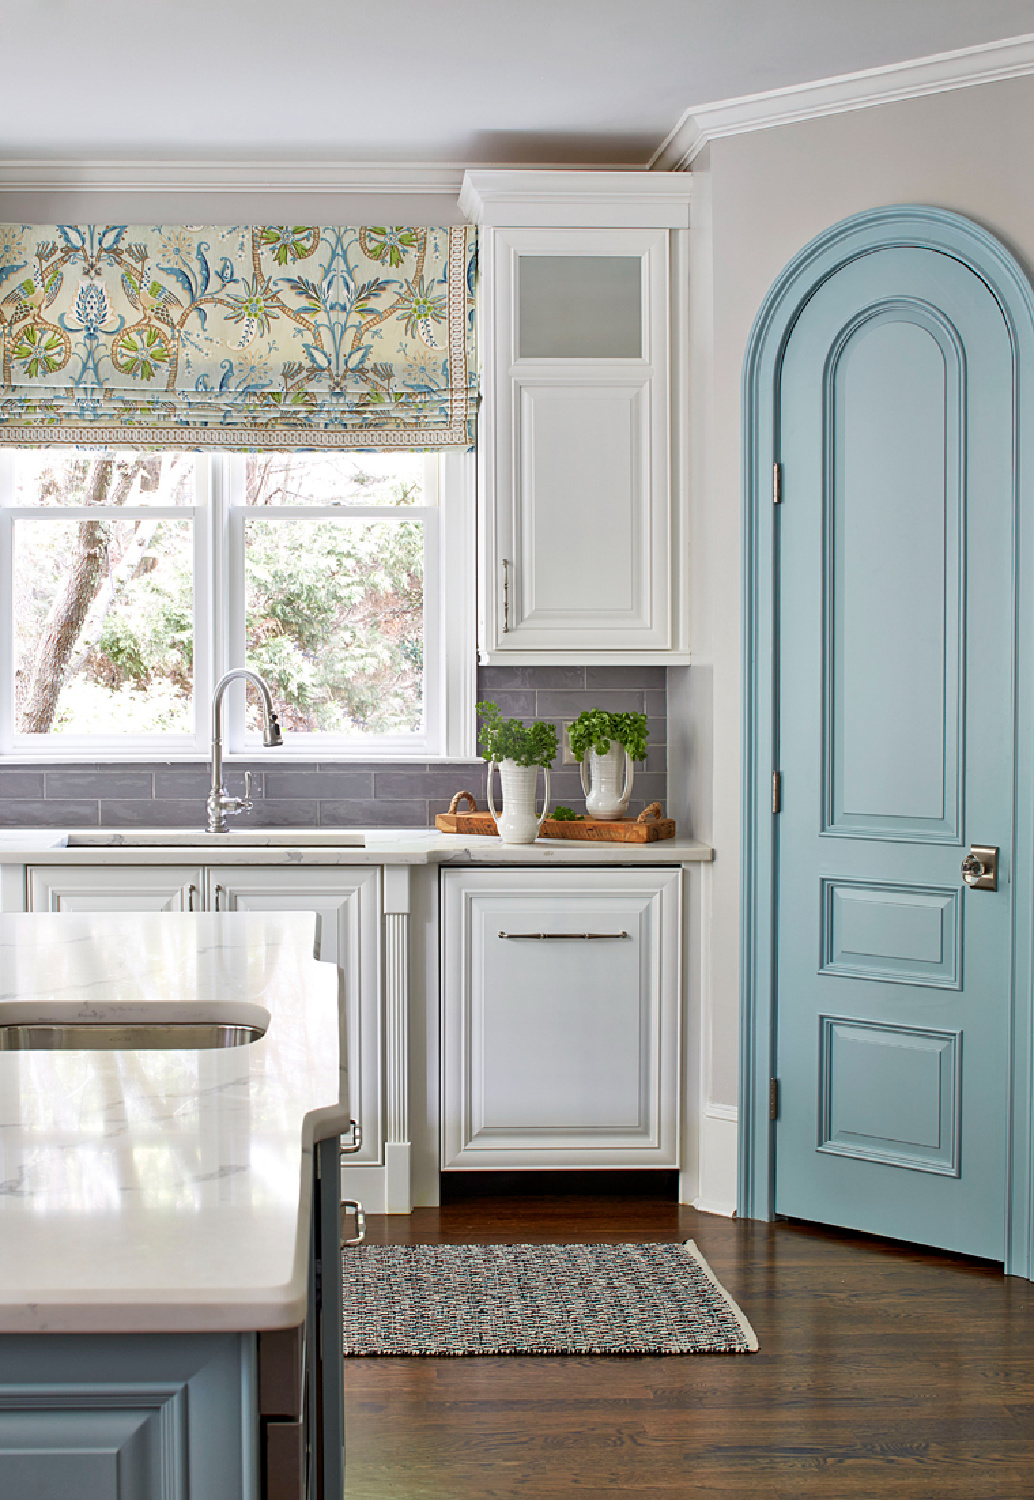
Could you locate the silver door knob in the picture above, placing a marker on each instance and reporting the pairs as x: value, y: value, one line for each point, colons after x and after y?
x: 980, y: 868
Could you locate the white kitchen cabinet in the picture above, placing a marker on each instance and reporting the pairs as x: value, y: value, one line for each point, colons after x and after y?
x: 348, y: 904
x: 86, y: 888
x: 582, y: 502
x: 347, y: 900
x: 560, y: 1018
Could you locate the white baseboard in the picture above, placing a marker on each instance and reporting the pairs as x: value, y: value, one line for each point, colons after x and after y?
x: 398, y: 1194
x: 718, y: 1161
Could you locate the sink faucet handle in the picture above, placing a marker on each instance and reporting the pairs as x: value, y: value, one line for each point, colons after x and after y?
x: 246, y: 804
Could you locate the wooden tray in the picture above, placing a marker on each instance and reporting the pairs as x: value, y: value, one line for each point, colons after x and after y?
x: 645, y: 829
x: 641, y: 830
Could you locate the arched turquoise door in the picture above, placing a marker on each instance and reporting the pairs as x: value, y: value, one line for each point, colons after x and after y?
x: 894, y: 655
x: 889, y: 646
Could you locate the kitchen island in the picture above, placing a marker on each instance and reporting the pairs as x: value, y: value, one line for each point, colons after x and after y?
x: 160, y: 1237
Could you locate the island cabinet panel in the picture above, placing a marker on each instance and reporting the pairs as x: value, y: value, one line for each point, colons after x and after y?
x: 560, y: 1033
x: 90, y: 888
x: 128, y: 1417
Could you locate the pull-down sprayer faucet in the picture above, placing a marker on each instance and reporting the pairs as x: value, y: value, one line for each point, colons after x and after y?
x: 219, y: 803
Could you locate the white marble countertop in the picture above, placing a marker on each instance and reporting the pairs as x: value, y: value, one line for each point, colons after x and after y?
x: 159, y: 1190
x: 322, y: 846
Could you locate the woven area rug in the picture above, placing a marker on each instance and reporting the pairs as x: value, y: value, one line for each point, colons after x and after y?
x: 538, y: 1299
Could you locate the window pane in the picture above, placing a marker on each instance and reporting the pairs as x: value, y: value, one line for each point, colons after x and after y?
x: 334, y: 623
x: 104, y: 626
x: 54, y: 478
x: 334, y: 479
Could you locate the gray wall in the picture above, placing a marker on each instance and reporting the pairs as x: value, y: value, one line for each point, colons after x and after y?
x: 770, y: 193
x: 340, y: 794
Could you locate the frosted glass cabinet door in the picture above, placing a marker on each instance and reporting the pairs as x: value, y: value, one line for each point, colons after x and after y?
x: 560, y: 1028
x: 576, y: 446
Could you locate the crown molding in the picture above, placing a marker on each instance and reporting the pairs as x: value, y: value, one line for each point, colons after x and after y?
x: 988, y: 63
x: 565, y: 199
x: 227, y: 176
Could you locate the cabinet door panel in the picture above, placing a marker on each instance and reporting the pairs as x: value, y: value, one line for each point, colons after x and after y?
x: 583, y: 523
x: 348, y: 903
x: 97, y: 888
x: 561, y: 1019
x: 576, y: 447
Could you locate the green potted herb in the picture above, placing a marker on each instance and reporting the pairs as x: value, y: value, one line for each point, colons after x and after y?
x: 518, y: 749
x: 606, y: 746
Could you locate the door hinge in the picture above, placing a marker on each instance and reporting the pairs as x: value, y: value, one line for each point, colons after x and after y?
x: 777, y: 484
x: 777, y: 791
x: 773, y: 1098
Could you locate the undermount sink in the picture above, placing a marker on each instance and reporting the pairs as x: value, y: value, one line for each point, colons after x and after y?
x: 102, y: 1036
x: 267, y: 838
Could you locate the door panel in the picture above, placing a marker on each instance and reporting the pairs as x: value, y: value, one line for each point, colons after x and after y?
x: 895, y: 745
x: 893, y: 503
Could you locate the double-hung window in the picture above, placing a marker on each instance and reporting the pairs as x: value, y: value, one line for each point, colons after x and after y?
x: 130, y: 581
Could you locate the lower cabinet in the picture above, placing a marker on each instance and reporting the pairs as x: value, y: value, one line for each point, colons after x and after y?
x: 347, y: 900
x: 560, y: 1018
x: 87, y: 888
x: 128, y: 1416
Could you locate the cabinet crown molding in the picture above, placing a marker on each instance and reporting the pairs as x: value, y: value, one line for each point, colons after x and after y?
x: 517, y: 199
x: 988, y: 62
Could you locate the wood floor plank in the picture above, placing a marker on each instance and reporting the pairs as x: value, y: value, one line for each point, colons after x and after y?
x: 884, y: 1371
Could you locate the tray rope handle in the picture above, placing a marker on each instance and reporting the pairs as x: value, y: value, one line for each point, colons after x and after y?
x: 649, y: 813
x: 471, y: 802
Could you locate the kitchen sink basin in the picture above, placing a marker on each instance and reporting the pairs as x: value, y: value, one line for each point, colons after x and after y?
x: 103, y: 1036
x: 262, y: 838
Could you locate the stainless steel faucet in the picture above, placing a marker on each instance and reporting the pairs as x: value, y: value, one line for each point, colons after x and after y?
x: 219, y: 803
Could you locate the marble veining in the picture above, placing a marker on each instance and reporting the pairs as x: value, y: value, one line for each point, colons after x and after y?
x: 161, y: 1190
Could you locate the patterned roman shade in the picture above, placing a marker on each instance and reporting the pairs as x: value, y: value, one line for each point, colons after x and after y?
x: 275, y: 336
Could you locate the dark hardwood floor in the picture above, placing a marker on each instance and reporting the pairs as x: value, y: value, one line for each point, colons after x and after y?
x: 884, y: 1371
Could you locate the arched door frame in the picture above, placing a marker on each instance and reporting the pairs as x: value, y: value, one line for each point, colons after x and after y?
x: 967, y: 242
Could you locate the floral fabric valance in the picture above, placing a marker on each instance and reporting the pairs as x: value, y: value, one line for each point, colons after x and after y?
x: 276, y: 336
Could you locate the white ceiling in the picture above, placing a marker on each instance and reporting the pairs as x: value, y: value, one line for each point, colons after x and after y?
x: 553, y: 82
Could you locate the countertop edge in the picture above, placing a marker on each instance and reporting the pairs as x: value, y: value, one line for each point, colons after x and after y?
x: 411, y: 847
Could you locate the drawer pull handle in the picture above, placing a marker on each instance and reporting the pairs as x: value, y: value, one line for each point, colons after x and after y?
x: 349, y: 1205
x: 583, y: 937
x: 354, y: 1141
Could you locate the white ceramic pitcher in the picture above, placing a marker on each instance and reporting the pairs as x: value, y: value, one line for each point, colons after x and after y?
x: 609, y: 783
x: 518, y: 822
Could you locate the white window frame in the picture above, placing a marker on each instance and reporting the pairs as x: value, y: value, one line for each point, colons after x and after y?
x: 450, y: 682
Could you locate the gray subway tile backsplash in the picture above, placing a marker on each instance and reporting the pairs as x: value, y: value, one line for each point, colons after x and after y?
x: 331, y: 794
x: 64, y: 782
x: 15, y: 784
x: 340, y: 783
x: 24, y: 813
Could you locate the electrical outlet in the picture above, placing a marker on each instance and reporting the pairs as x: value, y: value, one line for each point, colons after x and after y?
x: 567, y: 755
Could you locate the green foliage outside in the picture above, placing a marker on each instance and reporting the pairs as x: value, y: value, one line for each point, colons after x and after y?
x: 510, y: 739
x: 595, y: 728
x: 334, y: 607
x: 334, y: 622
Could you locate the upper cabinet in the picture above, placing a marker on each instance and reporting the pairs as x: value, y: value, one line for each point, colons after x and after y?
x: 582, y: 501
